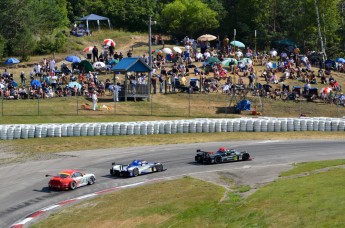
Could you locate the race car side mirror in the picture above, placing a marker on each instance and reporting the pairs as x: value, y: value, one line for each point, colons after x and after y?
x: 198, y: 150
x: 113, y: 163
x: 47, y: 175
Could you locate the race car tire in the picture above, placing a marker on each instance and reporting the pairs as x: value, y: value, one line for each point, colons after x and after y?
x: 135, y: 172
x: 73, y: 185
x: 245, y: 156
x: 91, y: 181
x: 217, y: 159
x: 198, y: 159
x: 159, y: 168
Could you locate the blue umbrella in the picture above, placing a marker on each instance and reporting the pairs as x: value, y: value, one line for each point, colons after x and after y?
x: 73, y: 59
x: 35, y: 83
x: 340, y: 60
x: 11, y: 61
x: 237, y: 44
x: 15, y: 84
x: 72, y: 84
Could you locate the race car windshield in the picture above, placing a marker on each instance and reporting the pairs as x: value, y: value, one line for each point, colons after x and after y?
x: 63, y: 175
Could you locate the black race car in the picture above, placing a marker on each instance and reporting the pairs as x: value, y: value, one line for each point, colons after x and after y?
x: 222, y: 155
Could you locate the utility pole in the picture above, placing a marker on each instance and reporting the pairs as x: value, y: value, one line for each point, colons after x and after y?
x: 150, y: 62
x: 324, y: 56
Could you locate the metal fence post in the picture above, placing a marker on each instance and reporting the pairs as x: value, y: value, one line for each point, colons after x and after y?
x: 151, y: 103
x: 38, y: 104
x: 189, y: 92
x: 2, y: 102
x: 77, y: 103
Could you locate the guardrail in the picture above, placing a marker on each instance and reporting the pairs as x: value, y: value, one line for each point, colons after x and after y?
x: 261, y: 124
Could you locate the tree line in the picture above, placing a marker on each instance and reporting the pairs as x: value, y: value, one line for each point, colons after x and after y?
x: 35, y: 26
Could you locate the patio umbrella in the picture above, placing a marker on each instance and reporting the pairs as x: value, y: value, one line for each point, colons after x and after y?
x: 85, y: 66
x: 157, y: 52
x: 229, y: 62
x: 109, y: 42
x: 326, y: 90
x: 340, y: 60
x: 213, y: 60
x: 88, y: 49
x: 15, y: 84
x: 247, y: 60
x: 11, y: 61
x: 207, y: 37
x: 72, y: 84
x: 237, y: 44
x: 167, y: 51
x: 73, y: 59
x: 99, y: 65
x: 36, y: 83
x: 177, y: 49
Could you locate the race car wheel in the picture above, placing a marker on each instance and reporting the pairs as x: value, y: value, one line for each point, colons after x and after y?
x: 135, y: 172
x: 73, y: 185
x: 218, y: 159
x: 159, y: 168
x: 91, y: 181
x: 245, y: 157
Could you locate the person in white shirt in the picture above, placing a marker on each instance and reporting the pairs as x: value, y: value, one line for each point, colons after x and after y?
x: 269, y: 65
x: 94, y: 100
x: 117, y: 89
x: 239, y: 53
x: 207, y: 54
x: 52, y: 64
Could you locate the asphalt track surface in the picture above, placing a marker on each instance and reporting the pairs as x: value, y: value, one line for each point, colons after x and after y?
x: 24, y: 189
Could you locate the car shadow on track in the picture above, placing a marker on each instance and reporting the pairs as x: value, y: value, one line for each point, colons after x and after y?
x: 47, y: 190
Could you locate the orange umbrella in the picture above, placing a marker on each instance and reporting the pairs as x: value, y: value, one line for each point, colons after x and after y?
x: 109, y: 42
x: 87, y: 49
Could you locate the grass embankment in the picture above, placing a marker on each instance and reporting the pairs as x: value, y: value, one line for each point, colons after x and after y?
x: 316, y: 200
x: 171, y: 105
x: 42, y: 148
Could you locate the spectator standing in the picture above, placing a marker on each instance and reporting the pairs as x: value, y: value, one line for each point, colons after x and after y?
x: 22, y: 78
x: 51, y: 64
x: 117, y: 89
x: 111, y: 50
x: 154, y: 83
x: 94, y: 100
x: 95, y: 54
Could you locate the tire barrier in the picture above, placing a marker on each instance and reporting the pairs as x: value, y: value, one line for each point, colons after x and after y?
x: 201, y: 125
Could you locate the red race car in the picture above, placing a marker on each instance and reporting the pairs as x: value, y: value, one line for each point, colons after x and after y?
x: 70, y: 179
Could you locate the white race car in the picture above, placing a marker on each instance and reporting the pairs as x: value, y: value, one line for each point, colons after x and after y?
x: 136, y: 168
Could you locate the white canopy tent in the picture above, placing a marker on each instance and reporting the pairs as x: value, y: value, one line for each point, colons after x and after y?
x: 94, y: 17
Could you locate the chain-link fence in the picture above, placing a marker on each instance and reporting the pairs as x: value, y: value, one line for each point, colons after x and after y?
x: 194, y: 105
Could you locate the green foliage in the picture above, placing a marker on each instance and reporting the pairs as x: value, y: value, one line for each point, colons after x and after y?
x: 60, y: 42
x: 188, y: 17
x: 44, y: 46
x: 273, y: 20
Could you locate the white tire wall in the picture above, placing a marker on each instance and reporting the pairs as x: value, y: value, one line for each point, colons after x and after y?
x: 25, y: 131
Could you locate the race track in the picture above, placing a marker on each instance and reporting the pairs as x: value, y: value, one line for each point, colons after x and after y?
x: 24, y: 186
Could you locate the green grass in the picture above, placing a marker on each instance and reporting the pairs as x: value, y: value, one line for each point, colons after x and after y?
x: 306, y: 167
x: 316, y: 200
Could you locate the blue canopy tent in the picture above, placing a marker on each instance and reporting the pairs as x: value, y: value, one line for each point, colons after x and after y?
x: 136, y: 65
x: 94, y: 17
